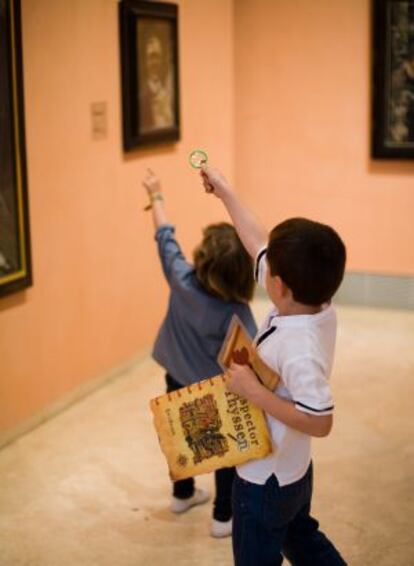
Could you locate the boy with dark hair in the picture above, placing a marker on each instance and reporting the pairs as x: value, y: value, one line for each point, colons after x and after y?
x: 301, y: 266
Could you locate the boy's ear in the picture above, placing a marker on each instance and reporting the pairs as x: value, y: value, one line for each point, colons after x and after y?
x: 281, y: 286
x: 278, y: 283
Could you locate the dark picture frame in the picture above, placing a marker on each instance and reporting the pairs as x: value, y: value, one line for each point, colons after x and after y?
x: 15, y: 257
x: 149, y: 73
x: 393, y: 79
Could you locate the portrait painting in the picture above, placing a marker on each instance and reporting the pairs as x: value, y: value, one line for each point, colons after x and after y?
x: 15, y: 266
x: 149, y: 68
x: 393, y: 79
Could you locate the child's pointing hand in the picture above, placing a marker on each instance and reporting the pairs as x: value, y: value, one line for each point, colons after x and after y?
x: 152, y: 183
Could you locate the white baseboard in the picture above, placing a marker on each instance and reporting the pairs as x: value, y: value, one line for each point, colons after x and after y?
x: 374, y: 290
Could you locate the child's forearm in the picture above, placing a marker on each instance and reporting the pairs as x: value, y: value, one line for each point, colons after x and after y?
x: 243, y: 381
x: 251, y: 232
x: 286, y: 412
x: 159, y: 216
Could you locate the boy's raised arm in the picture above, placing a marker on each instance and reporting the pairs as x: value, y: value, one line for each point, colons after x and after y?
x: 251, y: 232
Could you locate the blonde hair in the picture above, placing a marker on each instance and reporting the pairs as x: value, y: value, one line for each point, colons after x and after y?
x: 223, y: 266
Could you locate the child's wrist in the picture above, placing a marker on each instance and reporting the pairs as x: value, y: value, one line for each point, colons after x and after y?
x: 227, y: 193
x: 153, y: 198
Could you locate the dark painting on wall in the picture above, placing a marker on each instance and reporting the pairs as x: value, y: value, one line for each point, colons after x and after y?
x: 393, y: 79
x: 149, y: 72
x: 15, y: 265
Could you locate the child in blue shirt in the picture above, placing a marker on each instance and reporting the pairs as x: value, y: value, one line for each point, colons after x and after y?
x: 203, y: 298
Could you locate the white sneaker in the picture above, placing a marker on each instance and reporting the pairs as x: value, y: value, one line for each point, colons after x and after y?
x: 221, y: 529
x: 181, y: 505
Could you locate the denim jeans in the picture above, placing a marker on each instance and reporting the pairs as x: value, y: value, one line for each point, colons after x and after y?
x: 269, y: 520
x: 183, y: 489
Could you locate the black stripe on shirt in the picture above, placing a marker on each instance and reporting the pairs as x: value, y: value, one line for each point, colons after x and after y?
x: 256, y: 267
x: 312, y: 409
x: 263, y: 337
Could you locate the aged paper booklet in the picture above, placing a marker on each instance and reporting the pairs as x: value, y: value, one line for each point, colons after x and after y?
x: 204, y: 427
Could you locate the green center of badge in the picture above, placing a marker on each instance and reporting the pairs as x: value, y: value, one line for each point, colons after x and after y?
x: 198, y: 158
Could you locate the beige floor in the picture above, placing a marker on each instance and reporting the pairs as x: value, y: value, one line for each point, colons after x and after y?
x: 90, y: 488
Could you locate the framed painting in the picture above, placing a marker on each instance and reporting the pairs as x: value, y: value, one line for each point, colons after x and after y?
x: 393, y: 79
x: 15, y: 263
x: 149, y: 72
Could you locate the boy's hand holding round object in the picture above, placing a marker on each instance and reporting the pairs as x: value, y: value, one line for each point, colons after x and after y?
x: 198, y: 159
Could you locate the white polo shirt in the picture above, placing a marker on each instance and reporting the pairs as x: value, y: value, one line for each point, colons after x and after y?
x: 301, y: 349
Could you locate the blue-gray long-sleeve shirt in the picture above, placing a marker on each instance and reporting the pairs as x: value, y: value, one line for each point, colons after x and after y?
x: 195, y: 326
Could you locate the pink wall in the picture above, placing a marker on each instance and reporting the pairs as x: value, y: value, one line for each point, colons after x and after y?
x: 98, y: 295
x: 302, y: 128
x: 292, y: 108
